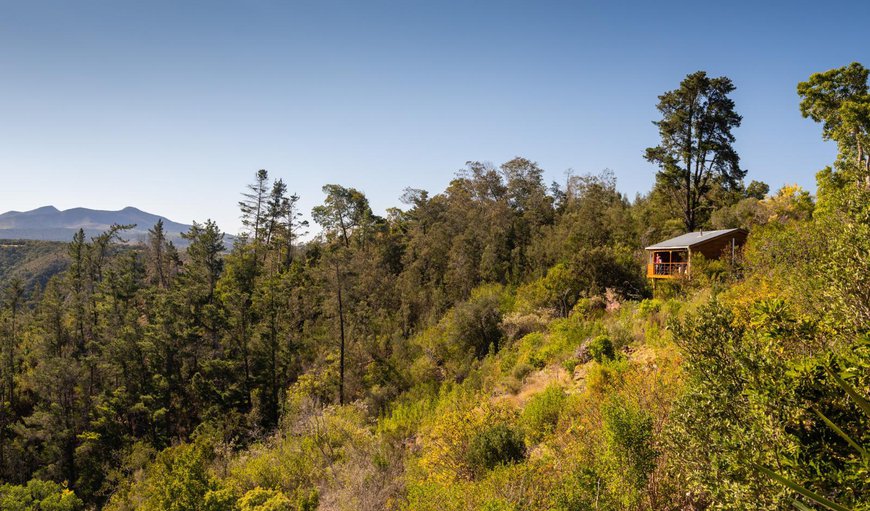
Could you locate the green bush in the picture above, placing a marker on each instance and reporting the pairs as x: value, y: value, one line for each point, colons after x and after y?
x: 557, y: 291
x: 601, y: 349
x: 542, y: 412
x: 497, y: 505
x: 259, y: 499
x: 38, y: 496
x: 405, y: 416
x: 522, y: 370
x: 707, y: 272
x: 537, y: 361
x: 605, y: 376
x: 649, y: 307
x: 762, y: 371
x: 588, y: 307
x: 497, y: 445
x: 219, y: 500
x: 573, y: 331
x: 476, y: 322
x: 578, y: 490
x: 178, y: 479
x: 307, y: 500
x: 570, y: 364
x: 628, y: 430
x: 530, y: 348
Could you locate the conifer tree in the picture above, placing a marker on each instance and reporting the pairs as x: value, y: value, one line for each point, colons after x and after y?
x: 696, y: 153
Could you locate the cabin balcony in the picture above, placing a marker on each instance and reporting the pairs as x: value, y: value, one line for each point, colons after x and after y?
x: 671, y: 259
x: 667, y: 270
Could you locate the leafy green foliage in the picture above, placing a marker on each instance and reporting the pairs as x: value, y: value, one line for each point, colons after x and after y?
x: 696, y: 154
x: 178, y: 480
x: 38, y: 495
x: 601, y: 349
x: 541, y: 413
x: 629, y: 436
x: 259, y: 499
x: 496, y: 445
x: 840, y: 100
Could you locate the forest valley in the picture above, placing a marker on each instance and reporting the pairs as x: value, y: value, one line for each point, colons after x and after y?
x: 494, y: 346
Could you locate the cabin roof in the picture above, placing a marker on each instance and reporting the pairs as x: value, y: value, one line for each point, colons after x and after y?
x: 691, y: 239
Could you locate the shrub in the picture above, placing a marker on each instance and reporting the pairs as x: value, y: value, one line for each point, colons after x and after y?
x: 586, y: 307
x: 222, y: 499
x: 709, y: 272
x: 403, y: 420
x: 529, y: 348
x: 522, y: 370
x: 459, y: 418
x: 497, y: 505
x: 476, y: 323
x: 496, y: 445
x: 573, y: 330
x: 259, y: 499
x: 570, y: 364
x: 602, y: 377
x: 516, y: 325
x: 178, y: 479
x: 542, y: 412
x: 468, y: 332
x: 537, y: 361
x: 513, y: 385
x: 601, y: 348
x: 578, y: 490
x: 38, y: 496
x: 649, y: 307
x: 616, y: 267
x: 628, y: 431
x: 556, y: 291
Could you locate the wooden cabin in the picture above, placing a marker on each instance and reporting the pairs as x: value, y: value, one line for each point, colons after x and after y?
x: 671, y: 259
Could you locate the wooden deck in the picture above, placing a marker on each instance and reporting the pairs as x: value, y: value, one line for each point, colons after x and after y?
x: 667, y: 270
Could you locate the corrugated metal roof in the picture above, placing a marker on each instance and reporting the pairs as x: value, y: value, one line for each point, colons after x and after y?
x: 690, y: 239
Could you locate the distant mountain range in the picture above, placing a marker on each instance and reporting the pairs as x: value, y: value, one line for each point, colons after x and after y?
x: 51, y: 224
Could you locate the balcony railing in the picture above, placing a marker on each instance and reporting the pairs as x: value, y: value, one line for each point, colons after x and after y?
x: 672, y: 270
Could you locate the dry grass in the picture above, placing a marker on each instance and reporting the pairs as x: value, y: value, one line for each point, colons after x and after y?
x: 535, y: 383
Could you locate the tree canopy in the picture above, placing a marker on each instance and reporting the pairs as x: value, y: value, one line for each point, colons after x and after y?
x: 696, y: 154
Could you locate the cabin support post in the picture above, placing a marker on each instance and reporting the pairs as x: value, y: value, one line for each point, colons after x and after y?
x: 732, y: 251
x: 689, y: 263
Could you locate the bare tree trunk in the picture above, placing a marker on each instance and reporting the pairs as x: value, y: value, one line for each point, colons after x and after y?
x: 690, y: 214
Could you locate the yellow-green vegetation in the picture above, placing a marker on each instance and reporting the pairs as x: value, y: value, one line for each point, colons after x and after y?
x: 39, y: 496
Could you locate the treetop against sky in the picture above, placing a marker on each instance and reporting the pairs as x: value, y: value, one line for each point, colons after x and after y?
x: 172, y: 107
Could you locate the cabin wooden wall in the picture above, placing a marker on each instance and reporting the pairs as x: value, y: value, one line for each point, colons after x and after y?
x: 714, y: 248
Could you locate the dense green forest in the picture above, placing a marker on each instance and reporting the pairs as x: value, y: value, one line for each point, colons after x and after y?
x: 494, y: 346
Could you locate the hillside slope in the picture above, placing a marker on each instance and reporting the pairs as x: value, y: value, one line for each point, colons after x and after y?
x: 31, y: 261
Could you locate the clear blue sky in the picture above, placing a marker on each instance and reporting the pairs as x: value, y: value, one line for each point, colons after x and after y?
x: 171, y: 106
